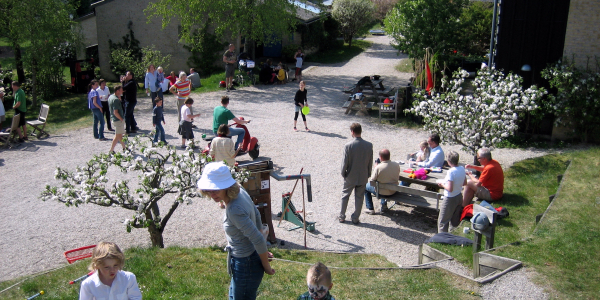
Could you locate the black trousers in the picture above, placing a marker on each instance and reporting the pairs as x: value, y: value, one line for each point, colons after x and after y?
x: 130, y: 122
x: 106, y: 112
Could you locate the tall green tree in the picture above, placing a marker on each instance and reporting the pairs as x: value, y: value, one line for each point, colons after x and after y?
x: 476, y: 23
x: 352, y: 15
x: 261, y: 21
x: 418, y: 24
x: 47, y: 26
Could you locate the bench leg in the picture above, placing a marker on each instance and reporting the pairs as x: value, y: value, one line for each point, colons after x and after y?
x: 476, y: 242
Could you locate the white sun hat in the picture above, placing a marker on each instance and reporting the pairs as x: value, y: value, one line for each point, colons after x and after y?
x: 216, y: 176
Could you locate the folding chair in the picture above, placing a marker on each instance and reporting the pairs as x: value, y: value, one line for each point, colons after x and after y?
x: 40, y: 123
x: 7, y: 137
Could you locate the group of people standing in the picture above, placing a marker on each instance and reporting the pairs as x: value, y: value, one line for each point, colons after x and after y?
x: 458, y: 190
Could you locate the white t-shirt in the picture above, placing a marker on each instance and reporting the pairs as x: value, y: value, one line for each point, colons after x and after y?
x: 298, y: 61
x: 457, y: 175
x: 185, y: 111
x: 165, y: 85
x: 124, y: 286
x: 103, y: 94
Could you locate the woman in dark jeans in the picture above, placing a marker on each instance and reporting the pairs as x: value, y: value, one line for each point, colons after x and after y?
x: 247, y: 258
x: 130, y: 87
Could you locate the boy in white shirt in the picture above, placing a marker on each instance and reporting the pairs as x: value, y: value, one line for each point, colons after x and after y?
x: 109, y: 281
x: 451, y: 206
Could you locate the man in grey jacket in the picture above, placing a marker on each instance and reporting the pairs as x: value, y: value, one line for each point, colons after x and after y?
x: 356, y: 170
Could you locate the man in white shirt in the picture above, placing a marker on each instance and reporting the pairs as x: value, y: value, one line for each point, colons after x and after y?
x: 436, y: 156
x: 451, y: 205
x: 104, y: 93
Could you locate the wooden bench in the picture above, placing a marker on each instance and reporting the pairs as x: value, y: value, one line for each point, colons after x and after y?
x: 409, y: 195
x: 390, y: 108
x: 363, y: 104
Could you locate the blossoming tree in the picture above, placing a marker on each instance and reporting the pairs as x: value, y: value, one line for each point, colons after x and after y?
x: 161, y: 171
x: 576, y: 102
x: 480, y: 119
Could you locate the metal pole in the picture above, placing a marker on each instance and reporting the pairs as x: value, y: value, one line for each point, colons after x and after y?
x: 493, y: 38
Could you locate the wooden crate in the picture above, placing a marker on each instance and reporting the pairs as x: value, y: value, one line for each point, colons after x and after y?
x: 258, y: 187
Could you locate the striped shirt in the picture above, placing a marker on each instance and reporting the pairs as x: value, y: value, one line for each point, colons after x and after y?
x: 183, y: 87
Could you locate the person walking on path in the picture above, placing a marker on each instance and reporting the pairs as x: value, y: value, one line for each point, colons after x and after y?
x: 117, y: 116
x: 183, y: 87
x: 157, y: 117
x: 229, y: 60
x: 130, y: 87
x: 301, y: 101
x: 20, y: 107
x: 96, y: 107
x: 247, y: 253
x: 356, y: 169
x: 104, y: 93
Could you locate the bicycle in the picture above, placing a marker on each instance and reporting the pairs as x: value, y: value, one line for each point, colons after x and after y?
x: 246, y: 68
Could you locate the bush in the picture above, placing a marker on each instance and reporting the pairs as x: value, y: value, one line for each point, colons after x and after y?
x: 123, y: 59
x: 206, y: 49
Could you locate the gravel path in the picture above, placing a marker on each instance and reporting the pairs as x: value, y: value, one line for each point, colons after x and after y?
x: 36, y: 233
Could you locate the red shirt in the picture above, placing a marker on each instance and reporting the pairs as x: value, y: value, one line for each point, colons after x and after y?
x: 172, y: 79
x: 492, y: 178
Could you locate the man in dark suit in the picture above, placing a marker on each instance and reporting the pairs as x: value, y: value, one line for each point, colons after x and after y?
x: 356, y: 170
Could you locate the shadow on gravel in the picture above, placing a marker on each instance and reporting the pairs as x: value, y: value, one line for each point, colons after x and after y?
x: 407, y: 236
x: 326, y: 134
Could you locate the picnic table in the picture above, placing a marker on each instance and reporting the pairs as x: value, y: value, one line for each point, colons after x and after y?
x: 430, y: 182
x: 369, y: 87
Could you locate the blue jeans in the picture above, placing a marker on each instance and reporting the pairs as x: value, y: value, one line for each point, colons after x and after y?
x: 153, y: 95
x: 98, y: 117
x: 247, y: 273
x: 160, y: 131
x: 369, y: 192
x: 240, y: 132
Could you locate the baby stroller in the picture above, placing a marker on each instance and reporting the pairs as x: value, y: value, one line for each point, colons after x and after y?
x: 246, y: 66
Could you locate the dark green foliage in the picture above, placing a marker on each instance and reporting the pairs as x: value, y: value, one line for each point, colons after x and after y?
x: 206, y: 49
x: 129, y: 43
x: 476, y: 24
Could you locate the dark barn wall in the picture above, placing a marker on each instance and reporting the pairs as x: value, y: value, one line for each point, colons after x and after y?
x: 531, y: 32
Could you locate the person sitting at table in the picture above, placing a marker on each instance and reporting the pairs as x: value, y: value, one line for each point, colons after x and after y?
x: 436, y: 156
x: 386, y: 171
x: 490, y: 185
x: 422, y: 154
x: 267, y: 74
x: 280, y: 74
x: 450, y: 207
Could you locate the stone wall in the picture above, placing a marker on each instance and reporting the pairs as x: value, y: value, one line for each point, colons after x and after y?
x: 112, y: 18
x: 89, y: 32
x: 583, y: 31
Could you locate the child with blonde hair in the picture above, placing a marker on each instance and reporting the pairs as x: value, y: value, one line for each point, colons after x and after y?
x: 319, y: 283
x: 108, y: 280
x: 422, y: 154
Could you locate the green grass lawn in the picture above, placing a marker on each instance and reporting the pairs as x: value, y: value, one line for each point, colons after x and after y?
x: 181, y: 273
x: 565, y: 247
x: 341, y: 53
x: 405, y: 66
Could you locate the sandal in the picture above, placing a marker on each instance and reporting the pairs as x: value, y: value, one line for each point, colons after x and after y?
x: 306, y: 128
x: 295, y: 129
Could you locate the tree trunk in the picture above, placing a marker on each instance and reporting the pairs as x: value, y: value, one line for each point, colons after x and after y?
x: 350, y: 42
x: 156, y: 236
x: 19, y: 62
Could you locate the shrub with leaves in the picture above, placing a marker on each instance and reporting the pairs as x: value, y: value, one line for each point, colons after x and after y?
x: 480, y: 119
x: 576, y: 103
x: 123, y: 60
x: 161, y: 171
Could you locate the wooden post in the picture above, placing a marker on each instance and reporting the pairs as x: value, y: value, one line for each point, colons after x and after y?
x: 303, y: 213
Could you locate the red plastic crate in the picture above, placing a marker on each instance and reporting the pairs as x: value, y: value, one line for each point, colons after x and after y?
x: 79, y: 253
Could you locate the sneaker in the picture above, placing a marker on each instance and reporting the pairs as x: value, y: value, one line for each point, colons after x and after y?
x: 295, y: 129
x: 194, y: 126
x: 383, y: 208
x: 355, y: 221
x: 370, y: 212
x: 21, y: 140
x: 341, y: 219
x: 103, y: 139
x: 306, y: 128
x: 232, y: 88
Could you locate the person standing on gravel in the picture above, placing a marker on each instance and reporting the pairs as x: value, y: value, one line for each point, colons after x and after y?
x: 300, y: 100
x: 130, y: 87
x: 229, y: 60
x: 20, y: 107
x: 356, y: 170
x: 183, y: 87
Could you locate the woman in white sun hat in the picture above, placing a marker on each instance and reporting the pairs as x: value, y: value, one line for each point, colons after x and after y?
x: 248, y: 258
